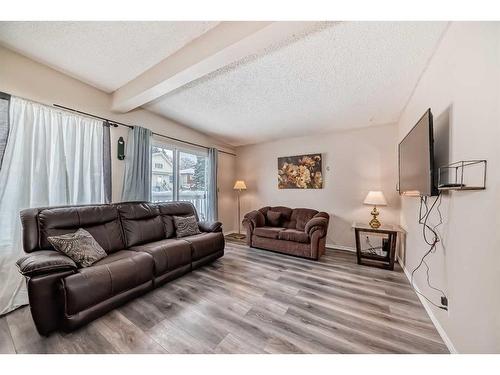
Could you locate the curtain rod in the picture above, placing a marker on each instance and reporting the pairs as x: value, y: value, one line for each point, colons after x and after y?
x: 117, y: 123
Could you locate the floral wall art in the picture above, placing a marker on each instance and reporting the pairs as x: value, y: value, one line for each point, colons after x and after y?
x: 300, y: 172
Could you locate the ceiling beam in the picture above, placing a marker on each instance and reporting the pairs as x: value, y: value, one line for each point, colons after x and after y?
x: 225, y: 44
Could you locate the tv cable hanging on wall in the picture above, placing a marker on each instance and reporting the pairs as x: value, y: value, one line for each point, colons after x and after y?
x: 432, y: 242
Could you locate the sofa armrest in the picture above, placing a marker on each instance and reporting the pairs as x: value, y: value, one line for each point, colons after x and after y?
x: 210, y: 226
x: 317, y: 223
x: 254, y: 219
x: 44, y: 262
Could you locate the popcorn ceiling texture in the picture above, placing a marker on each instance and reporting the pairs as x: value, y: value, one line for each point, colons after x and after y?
x: 105, y: 55
x: 336, y: 76
x: 333, y: 76
x: 319, y: 26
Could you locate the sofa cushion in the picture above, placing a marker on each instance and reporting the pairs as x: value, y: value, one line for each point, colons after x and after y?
x: 186, y: 226
x: 168, y: 254
x: 177, y: 209
x: 168, y: 225
x: 205, y: 244
x: 273, y: 218
x: 102, y: 222
x: 294, y: 235
x: 117, y: 273
x: 80, y: 246
x: 285, y: 247
x: 141, y: 223
x: 300, y: 217
x: 285, y: 212
x: 268, y: 232
x: 170, y: 209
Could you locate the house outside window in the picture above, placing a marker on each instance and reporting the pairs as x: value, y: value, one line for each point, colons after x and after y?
x: 180, y: 174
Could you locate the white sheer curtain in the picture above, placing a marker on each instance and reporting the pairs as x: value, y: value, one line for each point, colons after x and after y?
x: 51, y: 158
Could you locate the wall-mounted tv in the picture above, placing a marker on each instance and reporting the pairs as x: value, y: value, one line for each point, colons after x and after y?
x: 416, y: 159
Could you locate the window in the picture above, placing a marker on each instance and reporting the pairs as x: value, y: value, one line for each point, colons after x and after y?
x: 163, y: 185
x: 182, y: 177
x: 192, y: 177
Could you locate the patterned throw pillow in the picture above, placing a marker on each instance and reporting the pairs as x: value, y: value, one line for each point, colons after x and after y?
x: 186, y: 226
x: 79, y: 246
x: 273, y: 217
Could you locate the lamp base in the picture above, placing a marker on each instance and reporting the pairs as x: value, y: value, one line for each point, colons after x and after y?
x: 374, y: 223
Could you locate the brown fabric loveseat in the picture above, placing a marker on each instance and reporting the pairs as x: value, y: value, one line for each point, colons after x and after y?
x: 300, y: 231
x: 142, y: 253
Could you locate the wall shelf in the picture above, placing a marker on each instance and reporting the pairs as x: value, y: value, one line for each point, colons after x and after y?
x: 463, y: 175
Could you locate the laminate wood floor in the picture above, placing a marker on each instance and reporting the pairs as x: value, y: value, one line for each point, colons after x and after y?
x: 253, y: 301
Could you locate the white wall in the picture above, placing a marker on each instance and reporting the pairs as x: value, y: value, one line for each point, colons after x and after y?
x: 26, y: 78
x: 227, y: 196
x: 462, y: 82
x: 354, y: 162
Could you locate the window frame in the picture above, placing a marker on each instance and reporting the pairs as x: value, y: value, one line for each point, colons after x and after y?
x: 177, y: 149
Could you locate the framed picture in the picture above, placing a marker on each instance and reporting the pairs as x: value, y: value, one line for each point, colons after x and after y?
x: 300, y: 172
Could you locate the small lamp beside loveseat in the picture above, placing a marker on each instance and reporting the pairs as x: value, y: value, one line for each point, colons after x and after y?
x: 375, y: 198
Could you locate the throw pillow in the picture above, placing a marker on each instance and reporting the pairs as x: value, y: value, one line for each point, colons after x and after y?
x: 80, y: 246
x: 273, y: 217
x: 186, y: 226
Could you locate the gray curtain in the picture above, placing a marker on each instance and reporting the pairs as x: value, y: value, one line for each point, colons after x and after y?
x: 106, y: 162
x: 137, y: 178
x: 212, y: 212
x: 4, y: 123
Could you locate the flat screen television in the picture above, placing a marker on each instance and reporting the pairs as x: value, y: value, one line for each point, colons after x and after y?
x: 416, y: 160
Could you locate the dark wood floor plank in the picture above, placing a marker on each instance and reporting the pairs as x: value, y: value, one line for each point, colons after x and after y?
x: 234, y: 345
x: 176, y: 340
x: 376, y: 328
x: 374, y: 344
x: 387, y: 318
x: 6, y: 342
x: 235, y: 294
x: 344, y: 267
x: 224, y: 318
x: 125, y: 336
x: 253, y: 301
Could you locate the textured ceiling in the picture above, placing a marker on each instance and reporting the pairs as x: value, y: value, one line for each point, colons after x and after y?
x: 335, y: 75
x: 339, y: 76
x: 104, y: 54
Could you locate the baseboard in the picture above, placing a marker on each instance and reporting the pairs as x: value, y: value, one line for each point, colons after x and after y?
x: 427, y: 307
x: 328, y: 246
x: 340, y: 247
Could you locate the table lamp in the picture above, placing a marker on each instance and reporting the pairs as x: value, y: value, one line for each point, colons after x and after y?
x: 375, y: 198
x: 239, y: 185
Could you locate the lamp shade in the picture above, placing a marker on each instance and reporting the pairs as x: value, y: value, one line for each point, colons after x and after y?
x: 375, y: 198
x: 240, y: 185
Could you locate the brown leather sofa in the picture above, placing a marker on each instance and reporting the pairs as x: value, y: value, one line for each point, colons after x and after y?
x: 300, y: 231
x: 143, y: 253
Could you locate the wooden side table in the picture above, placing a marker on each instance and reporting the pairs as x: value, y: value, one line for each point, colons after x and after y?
x: 381, y: 253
